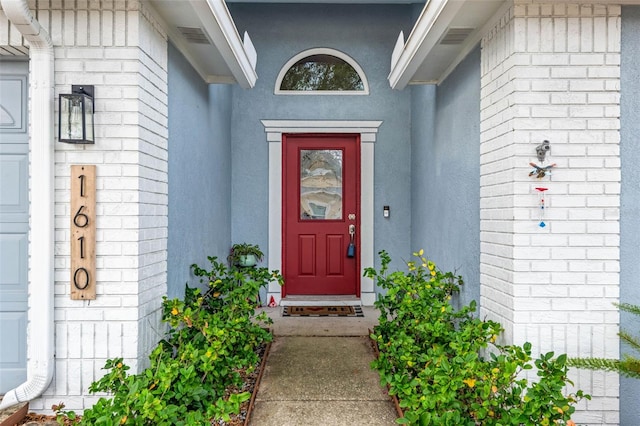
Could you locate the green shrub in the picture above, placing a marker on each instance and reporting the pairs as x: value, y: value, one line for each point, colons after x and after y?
x: 431, y: 357
x: 195, y: 372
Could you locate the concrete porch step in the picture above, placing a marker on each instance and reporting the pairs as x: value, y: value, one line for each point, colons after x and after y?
x: 322, y: 326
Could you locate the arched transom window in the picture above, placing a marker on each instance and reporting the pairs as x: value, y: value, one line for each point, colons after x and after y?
x: 321, y: 72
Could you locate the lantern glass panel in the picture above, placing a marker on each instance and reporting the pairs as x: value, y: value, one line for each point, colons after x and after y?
x: 76, y: 118
x: 88, y: 119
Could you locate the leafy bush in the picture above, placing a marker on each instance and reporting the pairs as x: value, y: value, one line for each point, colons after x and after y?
x: 431, y: 357
x: 195, y: 371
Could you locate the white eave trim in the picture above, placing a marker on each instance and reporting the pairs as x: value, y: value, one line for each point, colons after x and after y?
x: 238, y: 53
x: 434, y: 19
x: 475, y: 38
x: 241, y: 57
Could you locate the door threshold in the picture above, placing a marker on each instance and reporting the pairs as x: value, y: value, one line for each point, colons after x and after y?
x: 321, y: 301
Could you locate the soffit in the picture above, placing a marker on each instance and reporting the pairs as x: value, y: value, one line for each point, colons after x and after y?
x: 443, y: 35
x: 206, y: 35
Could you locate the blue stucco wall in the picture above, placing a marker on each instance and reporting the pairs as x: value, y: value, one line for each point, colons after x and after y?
x: 630, y: 199
x: 199, y: 172
x: 445, y: 165
x: 367, y: 33
x: 423, y: 123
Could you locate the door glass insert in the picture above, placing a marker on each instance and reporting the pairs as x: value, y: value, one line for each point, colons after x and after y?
x: 320, y: 184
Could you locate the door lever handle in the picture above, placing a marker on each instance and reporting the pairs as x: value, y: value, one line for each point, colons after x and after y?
x: 351, y: 249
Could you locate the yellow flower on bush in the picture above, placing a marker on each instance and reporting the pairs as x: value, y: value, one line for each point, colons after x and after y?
x: 470, y: 382
x: 174, y: 311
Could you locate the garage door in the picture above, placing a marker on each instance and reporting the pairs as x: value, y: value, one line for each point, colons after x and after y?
x: 14, y: 223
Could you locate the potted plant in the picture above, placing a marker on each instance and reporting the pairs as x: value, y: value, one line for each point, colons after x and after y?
x: 245, y: 254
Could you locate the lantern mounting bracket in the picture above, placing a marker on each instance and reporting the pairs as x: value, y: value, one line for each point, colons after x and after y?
x: 82, y: 89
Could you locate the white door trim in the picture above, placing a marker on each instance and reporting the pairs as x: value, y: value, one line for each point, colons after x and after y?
x: 368, y: 133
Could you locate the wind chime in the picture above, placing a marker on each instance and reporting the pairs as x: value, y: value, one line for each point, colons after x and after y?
x: 541, y: 204
x: 539, y: 172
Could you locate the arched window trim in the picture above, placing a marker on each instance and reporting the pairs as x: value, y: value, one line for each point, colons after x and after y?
x: 321, y: 51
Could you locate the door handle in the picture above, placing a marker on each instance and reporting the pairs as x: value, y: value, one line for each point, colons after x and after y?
x: 351, y: 250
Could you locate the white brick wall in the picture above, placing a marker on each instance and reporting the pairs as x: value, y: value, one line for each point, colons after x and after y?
x: 153, y: 178
x: 551, y: 71
x: 118, y: 47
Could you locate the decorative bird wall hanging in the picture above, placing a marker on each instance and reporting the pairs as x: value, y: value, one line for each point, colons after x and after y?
x: 541, y: 172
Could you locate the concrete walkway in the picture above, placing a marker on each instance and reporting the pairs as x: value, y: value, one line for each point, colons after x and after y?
x: 318, y: 374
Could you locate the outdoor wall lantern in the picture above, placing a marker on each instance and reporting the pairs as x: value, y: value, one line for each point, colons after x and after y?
x: 75, y: 122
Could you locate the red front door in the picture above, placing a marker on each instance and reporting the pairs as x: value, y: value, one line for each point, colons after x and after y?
x: 321, y: 205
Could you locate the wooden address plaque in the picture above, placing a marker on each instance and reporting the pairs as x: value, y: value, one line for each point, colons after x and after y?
x: 83, y: 232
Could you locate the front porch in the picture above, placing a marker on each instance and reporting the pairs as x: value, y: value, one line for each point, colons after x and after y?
x: 189, y: 162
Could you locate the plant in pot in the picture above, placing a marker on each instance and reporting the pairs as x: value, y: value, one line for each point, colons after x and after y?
x: 244, y: 254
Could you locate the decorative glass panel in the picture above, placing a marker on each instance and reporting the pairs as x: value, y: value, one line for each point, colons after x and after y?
x: 322, y: 72
x: 320, y: 184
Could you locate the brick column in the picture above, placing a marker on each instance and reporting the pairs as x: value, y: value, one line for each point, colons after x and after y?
x: 551, y: 71
x: 119, y: 47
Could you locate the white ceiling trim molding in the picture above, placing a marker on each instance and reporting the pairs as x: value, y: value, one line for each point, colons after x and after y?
x: 429, y: 55
x: 368, y: 131
x: 215, y: 49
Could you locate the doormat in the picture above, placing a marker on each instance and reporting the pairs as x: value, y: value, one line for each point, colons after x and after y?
x: 322, y: 311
